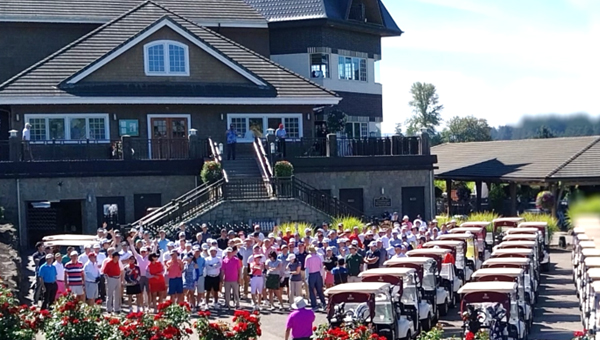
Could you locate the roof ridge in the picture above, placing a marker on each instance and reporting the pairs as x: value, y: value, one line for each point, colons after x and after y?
x: 72, y: 44
x: 574, y: 157
x: 256, y: 54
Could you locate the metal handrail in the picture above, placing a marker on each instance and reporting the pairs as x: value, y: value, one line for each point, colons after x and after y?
x: 262, y: 158
x: 216, y: 155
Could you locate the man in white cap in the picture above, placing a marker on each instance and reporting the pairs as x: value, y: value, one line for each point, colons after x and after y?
x: 300, y: 322
x: 26, y: 137
x: 373, y: 255
x: 74, y: 276
x: 212, y: 281
x: 47, y: 277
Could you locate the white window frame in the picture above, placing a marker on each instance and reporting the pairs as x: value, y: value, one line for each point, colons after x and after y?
x: 265, y: 117
x: 167, y: 65
x: 67, y: 118
x: 366, y: 62
x: 310, y: 65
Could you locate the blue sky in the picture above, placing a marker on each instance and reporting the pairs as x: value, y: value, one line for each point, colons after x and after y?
x: 498, y: 60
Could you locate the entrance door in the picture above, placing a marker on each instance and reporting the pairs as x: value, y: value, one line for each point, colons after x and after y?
x: 4, y: 156
x: 141, y: 203
x: 413, y: 202
x: 169, y: 138
x: 110, y: 210
x: 353, y: 198
x: 63, y: 217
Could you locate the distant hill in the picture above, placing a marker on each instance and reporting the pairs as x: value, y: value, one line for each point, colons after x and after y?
x: 549, y: 126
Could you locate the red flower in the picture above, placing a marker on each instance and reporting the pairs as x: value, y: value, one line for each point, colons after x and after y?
x: 189, y: 331
x: 469, y: 336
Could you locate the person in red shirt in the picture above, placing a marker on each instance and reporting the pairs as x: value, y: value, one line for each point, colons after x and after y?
x: 114, y: 277
x: 448, y: 258
x: 354, y: 236
x: 156, y: 281
x: 288, y: 235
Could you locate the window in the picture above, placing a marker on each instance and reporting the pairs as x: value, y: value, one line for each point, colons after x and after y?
x: 319, y: 65
x: 256, y: 124
x: 166, y: 58
x: 352, y: 68
x: 68, y: 127
x: 357, y: 130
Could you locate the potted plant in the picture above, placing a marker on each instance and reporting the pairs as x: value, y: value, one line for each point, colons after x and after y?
x: 544, y: 200
x: 211, y: 172
x: 284, y: 171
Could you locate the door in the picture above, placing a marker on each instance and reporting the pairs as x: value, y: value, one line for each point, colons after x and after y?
x: 141, y: 203
x: 110, y: 210
x: 169, y: 138
x: 353, y: 198
x: 413, y: 202
x: 4, y: 149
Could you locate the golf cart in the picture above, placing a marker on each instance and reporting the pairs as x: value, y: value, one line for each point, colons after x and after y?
x: 492, y: 306
x: 70, y: 240
x: 589, y: 313
x: 577, y: 253
x: 542, y: 242
x: 464, y: 269
x: 405, y: 295
x: 478, y: 229
x: 366, y: 303
x: 586, y: 265
x: 472, y: 248
x: 428, y: 270
x: 538, y: 247
x: 525, y: 245
x: 517, y: 262
x: 542, y: 227
x: 448, y: 278
x: 508, y: 275
x: 500, y: 225
x: 584, y: 254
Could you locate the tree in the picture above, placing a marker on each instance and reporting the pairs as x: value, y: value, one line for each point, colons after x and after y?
x: 398, y: 129
x: 544, y: 132
x: 467, y: 129
x: 426, y: 109
x: 336, y: 121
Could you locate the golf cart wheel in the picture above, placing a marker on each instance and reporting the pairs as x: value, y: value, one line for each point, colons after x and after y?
x: 456, y: 300
x: 443, y: 309
x: 408, y: 336
x: 388, y: 334
x: 427, y: 324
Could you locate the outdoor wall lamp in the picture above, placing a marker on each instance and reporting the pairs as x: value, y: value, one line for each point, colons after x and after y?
x: 308, y: 116
x: 382, y: 191
x: 12, y: 133
x: 114, y: 116
x: 17, y: 117
x: 193, y: 132
x: 220, y: 148
x: 222, y: 117
x: 272, y: 148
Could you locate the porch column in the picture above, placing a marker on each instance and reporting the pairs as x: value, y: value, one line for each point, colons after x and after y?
x: 554, y: 190
x: 332, y: 147
x: 14, y: 145
x: 513, y: 199
x: 194, y: 149
x: 127, y: 147
x: 449, y: 196
x: 478, y: 196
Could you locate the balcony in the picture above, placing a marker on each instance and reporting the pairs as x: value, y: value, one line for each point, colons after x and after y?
x: 125, y: 156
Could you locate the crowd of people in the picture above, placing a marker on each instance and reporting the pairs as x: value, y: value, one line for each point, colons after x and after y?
x: 270, y: 270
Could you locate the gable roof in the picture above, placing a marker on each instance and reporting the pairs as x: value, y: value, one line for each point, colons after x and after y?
x: 46, y: 81
x: 554, y: 159
x: 206, y: 12
x: 335, y: 10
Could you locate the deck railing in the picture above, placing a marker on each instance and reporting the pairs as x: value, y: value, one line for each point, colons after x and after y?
x: 349, y: 147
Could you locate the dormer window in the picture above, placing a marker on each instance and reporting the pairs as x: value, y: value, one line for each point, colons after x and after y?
x: 166, y: 58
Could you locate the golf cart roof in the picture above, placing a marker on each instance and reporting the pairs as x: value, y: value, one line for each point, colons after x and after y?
x: 450, y: 237
x: 592, y: 252
x: 474, y: 224
x: 592, y: 262
x: 583, y: 237
x: 509, y: 244
x: 521, y: 237
x: 410, y: 260
x: 435, y: 251
x: 596, y: 286
x: 508, y: 260
x: 451, y: 243
x: 490, y: 286
x: 513, y: 272
x: 393, y: 271
x: 90, y: 238
x: 516, y: 251
x: 508, y: 219
x: 578, y: 230
x: 594, y: 273
x: 587, y: 244
x: 359, y: 287
x: 522, y: 230
x: 532, y: 224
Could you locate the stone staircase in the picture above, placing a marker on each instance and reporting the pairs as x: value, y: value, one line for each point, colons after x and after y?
x: 241, y: 168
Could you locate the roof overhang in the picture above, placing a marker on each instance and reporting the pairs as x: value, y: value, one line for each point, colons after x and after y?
x: 170, y: 100
x: 207, y: 22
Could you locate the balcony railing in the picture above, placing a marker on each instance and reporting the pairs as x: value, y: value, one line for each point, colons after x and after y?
x: 126, y: 148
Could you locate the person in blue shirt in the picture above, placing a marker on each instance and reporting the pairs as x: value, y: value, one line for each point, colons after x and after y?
x: 163, y: 241
x: 340, y: 273
x: 281, y: 134
x: 47, y: 276
x: 231, y: 142
x: 200, y: 264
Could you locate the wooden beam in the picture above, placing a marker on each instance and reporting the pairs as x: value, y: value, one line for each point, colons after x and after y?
x: 478, y: 196
x: 449, y: 196
x: 513, y: 199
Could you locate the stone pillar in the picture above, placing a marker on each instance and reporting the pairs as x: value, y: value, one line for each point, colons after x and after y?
x: 449, y: 196
x: 513, y: 199
x: 15, y: 149
x: 332, y: 146
x: 193, y: 145
x: 424, y: 144
x: 478, y: 196
x: 126, y: 147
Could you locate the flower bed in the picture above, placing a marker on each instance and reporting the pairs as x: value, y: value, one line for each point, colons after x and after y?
x: 246, y: 326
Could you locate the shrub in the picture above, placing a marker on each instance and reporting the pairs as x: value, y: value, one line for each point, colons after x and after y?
x: 544, y: 200
x: 581, y: 208
x: 349, y: 222
x: 346, y: 331
x: 496, y: 197
x: 283, y: 169
x: 246, y: 326
x: 291, y: 226
x: 552, y: 222
x: 485, y: 216
x: 18, y: 322
x: 211, y: 172
x: 74, y: 320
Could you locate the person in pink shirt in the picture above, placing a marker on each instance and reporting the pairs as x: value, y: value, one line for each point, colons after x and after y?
x: 299, y: 322
x: 174, y: 274
x: 313, y: 265
x: 232, y: 277
x: 142, y: 262
x: 257, y: 267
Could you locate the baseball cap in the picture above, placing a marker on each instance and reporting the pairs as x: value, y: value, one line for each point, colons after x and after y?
x: 74, y: 253
x: 291, y: 257
x: 354, y: 242
x: 49, y: 256
x: 205, y: 246
x: 228, y: 250
x: 373, y: 244
x: 96, y: 245
x: 181, y: 234
x: 213, y: 249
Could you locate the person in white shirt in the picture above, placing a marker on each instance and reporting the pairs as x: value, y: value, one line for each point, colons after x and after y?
x: 26, y: 146
x: 399, y: 251
x: 261, y: 236
x: 83, y: 258
x: 384, y: 236
x: 92, y: 278
x: 60, y: 274
x: 212, y: 281
x: 166, y: 256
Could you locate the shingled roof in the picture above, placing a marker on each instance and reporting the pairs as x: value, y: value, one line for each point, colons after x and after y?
x: 336, y: 10
x: 45, y: 81
x: 102, y: 11
x: 573, y: 159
